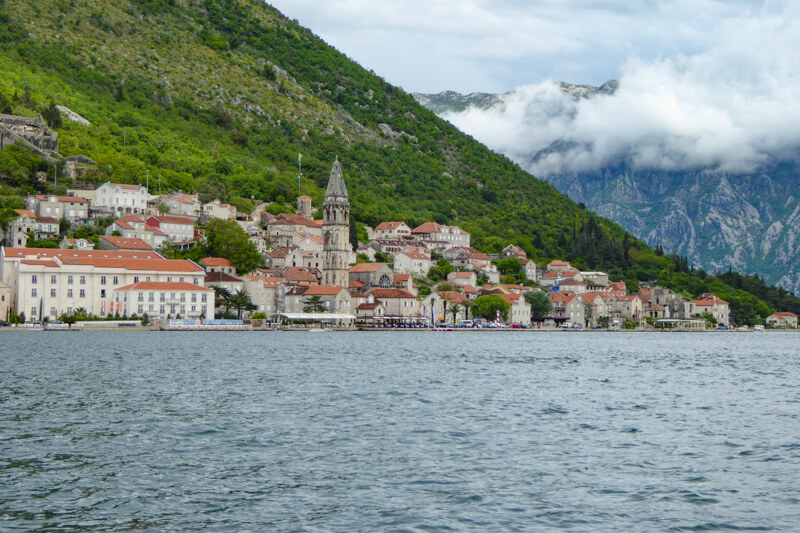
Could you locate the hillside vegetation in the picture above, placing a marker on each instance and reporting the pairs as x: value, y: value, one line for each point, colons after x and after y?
x: 220, y: 96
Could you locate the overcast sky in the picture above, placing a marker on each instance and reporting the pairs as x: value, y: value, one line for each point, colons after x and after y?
x: 498, y: 45
x: 703, y: 84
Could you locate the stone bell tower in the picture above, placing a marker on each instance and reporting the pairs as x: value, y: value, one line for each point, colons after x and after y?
x: 336, y: 230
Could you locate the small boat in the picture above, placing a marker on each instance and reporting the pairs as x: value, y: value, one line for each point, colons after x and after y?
x: 758, y: 329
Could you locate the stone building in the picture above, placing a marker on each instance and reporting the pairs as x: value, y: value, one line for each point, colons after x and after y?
x: 336, y: 230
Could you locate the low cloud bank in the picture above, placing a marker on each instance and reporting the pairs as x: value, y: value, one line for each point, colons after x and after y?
x: 733, y: 108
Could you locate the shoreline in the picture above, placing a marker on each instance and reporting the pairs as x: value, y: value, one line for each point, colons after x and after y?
x: 378, y: 330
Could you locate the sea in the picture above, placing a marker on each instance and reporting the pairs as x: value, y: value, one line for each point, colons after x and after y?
x: 399, y: 431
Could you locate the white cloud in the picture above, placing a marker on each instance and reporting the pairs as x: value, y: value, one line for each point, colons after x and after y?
x: 731, y: 107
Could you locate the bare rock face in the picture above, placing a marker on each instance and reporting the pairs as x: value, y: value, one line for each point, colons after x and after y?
x: 747, y: 222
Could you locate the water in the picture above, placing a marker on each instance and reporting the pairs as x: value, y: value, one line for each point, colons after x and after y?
x: 415, y: 431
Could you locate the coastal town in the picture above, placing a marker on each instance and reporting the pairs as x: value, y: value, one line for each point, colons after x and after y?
x: 426, y: 276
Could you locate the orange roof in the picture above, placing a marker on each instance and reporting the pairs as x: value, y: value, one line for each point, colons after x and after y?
x: 40, y: 262
x: 452, y: 297
x: 322, y: 290
x: 216, y: 261
x: 35, y: 253
x: 388, y: 225
x: 401, y: 277
x: 415, y: 255
x: 784, y: 313
x: 159, y: 265
x: 392, y: 293
x: 556, y: 262
x: 163, y: 286
x: 428, y: 227
x: 367, y: 267
x: 464, y: 275
x: 63, y: 198
x: 171, y: 219
x: 127, y: 243
x: 25, y: 212
x: 469, y: 289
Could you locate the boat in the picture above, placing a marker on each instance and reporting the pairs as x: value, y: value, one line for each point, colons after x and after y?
x: 758, y: 329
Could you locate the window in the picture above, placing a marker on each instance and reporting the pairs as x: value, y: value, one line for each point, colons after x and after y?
x: 116, y: 280
x: 194, y: 297
x: 69, y: 279
x: 53, y: 279
x: 34, y: 279
x: 162, y: 309
x: 163, y: 298
x: 152, y: 308
x: 204, y: 298
x: 141, y: 309
x: 83, y: 280
x: 141, y: 297
x: 194, y: 308
x: 183, y: 309
x: 172, y: 296
x: 52, y: 311
x: 147, y: 278
x: 183, y: 297
x: 180, y: 279
x: 197, y: 281
x: 52, y: 293
x: 152, y: 297
x: 33, y: 292
x: 33, y: 313
x: 172, y: 309
x: 102, y: 280
x: 69, y: 310
x: 135, y: 279
x: 82, y: 294
x: 102, y: 293
x: 69, y: 293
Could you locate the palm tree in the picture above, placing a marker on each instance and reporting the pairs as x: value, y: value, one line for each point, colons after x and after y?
x: 222, y: 298
x: 455, y: 308
x: 241, y: 302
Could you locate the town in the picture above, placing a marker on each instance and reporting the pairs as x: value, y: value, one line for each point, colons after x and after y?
x: 312, y: 274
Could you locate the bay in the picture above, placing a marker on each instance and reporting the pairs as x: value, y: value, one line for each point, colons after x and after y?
x: 399, y: 431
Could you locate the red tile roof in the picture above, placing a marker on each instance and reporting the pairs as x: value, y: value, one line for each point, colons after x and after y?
x: 215, y: 261
x: 88, y: 254
x: 171, y: 219
x: 367, y: 267
x: 163, y: 286
x: 127, y: 243
x: 64, y: 198
x: 322, y: 290
x: 388, y: 225
x: 26, y: 212
x: 384, y: 294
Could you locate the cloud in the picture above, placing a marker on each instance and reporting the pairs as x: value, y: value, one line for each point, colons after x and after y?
x: 496, y: 45
x: 731, y: 107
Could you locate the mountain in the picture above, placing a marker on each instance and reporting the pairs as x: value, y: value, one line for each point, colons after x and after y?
x: 719, y: 220
x: 220, y: 97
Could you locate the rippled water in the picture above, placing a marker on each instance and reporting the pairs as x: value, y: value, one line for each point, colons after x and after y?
x: 399, y: 431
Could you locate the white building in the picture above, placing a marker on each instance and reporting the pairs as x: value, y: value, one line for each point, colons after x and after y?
x: 163, y: 299
x: 216, y: 209
x: 49, y: 282
x: 416, y: 263
x: 121, y: 198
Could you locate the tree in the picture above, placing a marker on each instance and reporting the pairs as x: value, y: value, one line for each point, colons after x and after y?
x: 52, y: 116
x: 222, y: 298
x: 241, y: 302
x: 488, y: 305
x: 63, y: 225
x: 227, y: 239
x: 454, y: 309
x: 511, y: 267
x: 541, y: 306
x: 313, y: 304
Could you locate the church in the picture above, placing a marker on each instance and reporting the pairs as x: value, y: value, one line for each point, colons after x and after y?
x: 336, y: 230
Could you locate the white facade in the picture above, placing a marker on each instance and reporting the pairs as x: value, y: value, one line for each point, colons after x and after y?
x: 69, y: 207
x: 121, y: 198
x: 51, y: 282
x: 165, y: 300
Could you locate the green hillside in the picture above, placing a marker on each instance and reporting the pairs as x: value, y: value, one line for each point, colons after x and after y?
x: 220, y: 96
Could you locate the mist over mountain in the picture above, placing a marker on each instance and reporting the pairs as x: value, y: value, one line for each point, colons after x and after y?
x: 699, y: 154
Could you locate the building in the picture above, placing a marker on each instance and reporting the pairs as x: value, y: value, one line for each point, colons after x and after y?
x: 80, y: 244
x: 399, y: 304
x: 783, y: 319
x: 391, y: 231
x: 182, y: 204
x: 372, y: 275
x: 5, y: 301
x: 216, y: 209
x: 49, y: 282
x: 336, y: 230
x: 218, y: 264
x: 331, y: 299
x: 416, y: 263
x: 438, y: 237
x: 70, y: 207
x: 177, y: 229
x: 716, y: 306
x: 304, y: 207
x: 121, y: 198
x: 162, y: 299
x: 136, y: 227
x: 122, y: 243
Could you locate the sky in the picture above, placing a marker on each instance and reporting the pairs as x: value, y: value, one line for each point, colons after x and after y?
x: 702, y: 83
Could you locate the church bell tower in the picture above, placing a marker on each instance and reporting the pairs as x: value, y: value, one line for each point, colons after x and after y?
x: 336, y: 230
